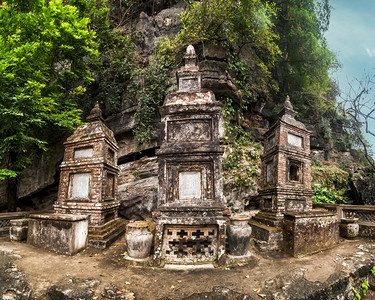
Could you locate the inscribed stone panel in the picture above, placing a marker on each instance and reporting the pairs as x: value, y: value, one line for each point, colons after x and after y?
x: 269, y: 172
x: 109, y: 186
x: 188, y: 84
x: 83, y: 152
x: 190, y: 185
x: 189, y: 130
x: 295, y: 204
x: 80, y: 185
x: 295, y: 140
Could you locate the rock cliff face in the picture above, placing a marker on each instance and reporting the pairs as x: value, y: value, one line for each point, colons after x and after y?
x: 138, y: 181
x: 38, y: 185
x: 138, y: 188
x: 363, y: 190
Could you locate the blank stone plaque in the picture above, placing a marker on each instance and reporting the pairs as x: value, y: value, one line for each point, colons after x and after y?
x: 83, y: 153
x: 80, y: 185
x: 189, y: 185
x: 295, y: 140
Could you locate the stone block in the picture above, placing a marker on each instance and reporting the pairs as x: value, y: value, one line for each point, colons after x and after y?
x: 18, y: 230
x: 349, y: 228
x: 308, y: 232
x: 267, y: 238
x: 62, y: 233
x: 367, y: 229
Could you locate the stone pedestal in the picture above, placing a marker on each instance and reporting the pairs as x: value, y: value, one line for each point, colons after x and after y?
x: 349, y: 228
x: 268, y: 238
x: 18, y: 230
x: 238, y: 237
x: 138, y: 241
x: 309, y: 232
x: 62, y: 233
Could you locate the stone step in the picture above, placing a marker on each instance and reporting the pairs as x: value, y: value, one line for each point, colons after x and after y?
x: 267, y: 219
x: 107, y: 227
x: 268, y: 238
x: 102, y: 237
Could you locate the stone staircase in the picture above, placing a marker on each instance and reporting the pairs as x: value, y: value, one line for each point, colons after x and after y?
x: 103, y: 236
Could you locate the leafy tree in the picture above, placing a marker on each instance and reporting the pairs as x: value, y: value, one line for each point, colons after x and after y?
x: 43, y: 46
x: 302, y: 70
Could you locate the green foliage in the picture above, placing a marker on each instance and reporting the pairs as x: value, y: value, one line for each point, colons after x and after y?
x: 149, y: 90
x: 241, y: 27
x: 364, y: 287
x: 241, y: 158
x: 42, y: 71
x: 329, y: 182
x: 303, y: 69
x: 329, y: 175
x: 325, y: 195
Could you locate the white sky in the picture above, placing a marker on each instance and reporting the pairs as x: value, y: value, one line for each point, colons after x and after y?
x: 351, y: 36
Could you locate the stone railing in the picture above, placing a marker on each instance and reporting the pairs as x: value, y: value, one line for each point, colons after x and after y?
x: 5, y: 219
x: 365, y: 213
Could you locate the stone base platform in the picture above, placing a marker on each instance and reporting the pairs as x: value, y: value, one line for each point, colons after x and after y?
x: 62, y: 233
x: 268, y: 238
x: 309, y: 232
x: 103, y: 236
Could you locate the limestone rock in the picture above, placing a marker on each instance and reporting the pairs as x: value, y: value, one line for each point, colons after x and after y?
x: 41, y: 173
x: 239, y: 197
x: 165, y: 23
x: 73, y: 289
x: 138, y: 188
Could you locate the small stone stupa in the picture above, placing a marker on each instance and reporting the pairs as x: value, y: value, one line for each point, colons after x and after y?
x: 88, y: 179
x: 286, y: 186
x: 190, y: 227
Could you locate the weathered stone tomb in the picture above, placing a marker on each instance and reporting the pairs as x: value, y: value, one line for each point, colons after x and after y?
x: 190, y: 227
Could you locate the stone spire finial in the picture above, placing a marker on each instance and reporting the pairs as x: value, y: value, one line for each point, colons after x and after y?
x: 95, y: 113
x: 190, y: 57
x: 287, y: 103
x: 190, y: 50
x: 287, y: 108
x: 189, y: 77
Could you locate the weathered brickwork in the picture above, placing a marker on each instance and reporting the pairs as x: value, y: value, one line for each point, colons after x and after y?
x: 287, y: 157
x: 190, y: 226
x: 89, y: 178
x: 286, y: 220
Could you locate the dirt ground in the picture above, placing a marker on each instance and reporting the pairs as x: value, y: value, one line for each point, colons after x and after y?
x: 104, y: 273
